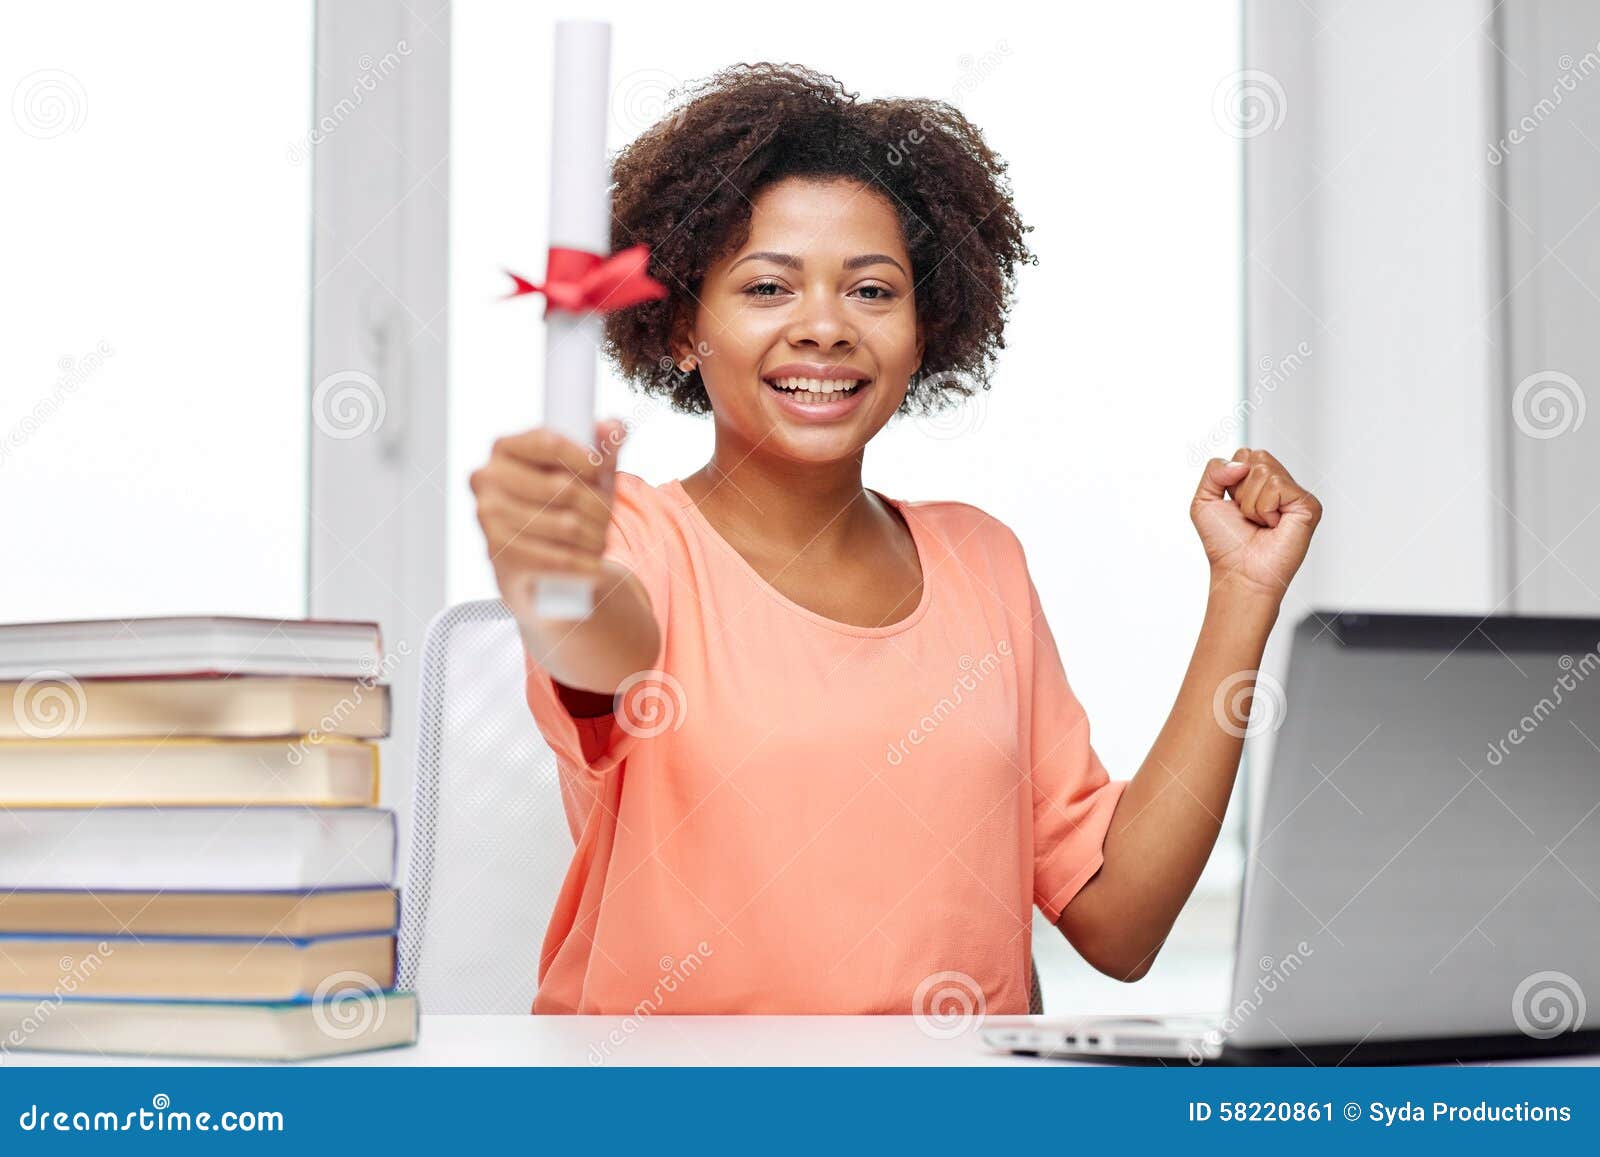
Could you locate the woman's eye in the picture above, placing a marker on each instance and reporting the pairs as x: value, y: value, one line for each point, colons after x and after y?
x: 777, y: 288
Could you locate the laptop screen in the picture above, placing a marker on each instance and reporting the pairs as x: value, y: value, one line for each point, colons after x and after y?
x: 1428, y: 859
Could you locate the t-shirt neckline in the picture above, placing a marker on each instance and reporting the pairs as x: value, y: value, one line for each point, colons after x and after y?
x: 919, y: 539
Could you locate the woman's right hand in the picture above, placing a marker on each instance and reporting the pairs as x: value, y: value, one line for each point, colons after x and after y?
x: 544, y: 504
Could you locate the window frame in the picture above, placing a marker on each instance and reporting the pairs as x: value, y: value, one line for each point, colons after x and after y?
x: 379, y: 318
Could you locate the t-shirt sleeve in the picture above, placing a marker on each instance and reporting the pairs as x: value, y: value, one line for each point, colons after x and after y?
x: 635, y: 541
x: 1073, y: 796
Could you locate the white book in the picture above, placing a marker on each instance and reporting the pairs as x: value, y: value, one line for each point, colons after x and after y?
x: 191, y: 645
x: 177, y: 772
x: 196, y: 848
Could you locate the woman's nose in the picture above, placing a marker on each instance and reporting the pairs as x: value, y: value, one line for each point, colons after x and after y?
x: 822, y: 324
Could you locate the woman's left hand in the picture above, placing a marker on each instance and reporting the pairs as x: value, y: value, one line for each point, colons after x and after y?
x: 1256, y: 542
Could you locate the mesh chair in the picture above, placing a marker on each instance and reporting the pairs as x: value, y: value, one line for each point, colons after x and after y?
x: 489, y: 839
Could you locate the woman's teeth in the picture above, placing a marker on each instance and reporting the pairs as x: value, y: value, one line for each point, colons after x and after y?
x: 815, y: 389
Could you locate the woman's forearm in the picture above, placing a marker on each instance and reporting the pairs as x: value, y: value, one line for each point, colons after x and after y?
x: 1167, y: 821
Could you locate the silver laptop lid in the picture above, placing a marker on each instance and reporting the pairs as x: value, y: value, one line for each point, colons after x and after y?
x: 1428, y: 861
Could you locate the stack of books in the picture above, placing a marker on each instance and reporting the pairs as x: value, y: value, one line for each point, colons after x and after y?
x: 191, y: 862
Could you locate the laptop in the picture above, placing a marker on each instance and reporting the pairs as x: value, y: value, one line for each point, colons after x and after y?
x: 1424, y: 883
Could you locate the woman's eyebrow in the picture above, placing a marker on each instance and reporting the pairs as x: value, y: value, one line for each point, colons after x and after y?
x: 792, y: 262
x: 873, y: 259
x: 787, y: 259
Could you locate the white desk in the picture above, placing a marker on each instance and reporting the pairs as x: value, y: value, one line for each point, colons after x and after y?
x: 689, y: 1040
x: 678, y: 1041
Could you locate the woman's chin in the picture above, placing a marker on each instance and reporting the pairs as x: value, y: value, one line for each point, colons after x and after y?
x: 815, y: 446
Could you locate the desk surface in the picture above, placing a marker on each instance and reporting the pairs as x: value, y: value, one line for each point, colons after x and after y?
x: 595, y: 1041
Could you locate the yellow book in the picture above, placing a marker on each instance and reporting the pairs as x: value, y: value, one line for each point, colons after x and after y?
x: 215, y: 1030
x: 231, y: 707
x: 297, y: 914
x: 186, y: 968
x: 188, y: 771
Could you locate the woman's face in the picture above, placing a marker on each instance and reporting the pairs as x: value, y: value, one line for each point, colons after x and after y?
x: 807, y: 335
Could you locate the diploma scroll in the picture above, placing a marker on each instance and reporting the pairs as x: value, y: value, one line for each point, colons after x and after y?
x: 580, y: 219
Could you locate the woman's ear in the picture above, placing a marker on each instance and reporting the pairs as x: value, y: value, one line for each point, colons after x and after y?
x: 682, y: 346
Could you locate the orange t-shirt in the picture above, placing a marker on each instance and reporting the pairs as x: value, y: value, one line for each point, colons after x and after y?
x: 789, y: 814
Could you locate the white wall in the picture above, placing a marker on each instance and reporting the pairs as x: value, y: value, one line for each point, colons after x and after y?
x: 379, y: 319
x: 1549, y: 299
x: 1370, y: 239
x: 1445, y: 271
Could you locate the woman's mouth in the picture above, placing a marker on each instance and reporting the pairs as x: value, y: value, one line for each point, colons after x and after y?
x: 815, y: 391
x: 817, y: 399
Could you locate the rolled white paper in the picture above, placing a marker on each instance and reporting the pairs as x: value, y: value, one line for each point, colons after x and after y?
x: 580, y: 218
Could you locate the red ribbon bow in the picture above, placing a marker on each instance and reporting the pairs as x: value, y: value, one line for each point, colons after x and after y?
x: 577, y: 282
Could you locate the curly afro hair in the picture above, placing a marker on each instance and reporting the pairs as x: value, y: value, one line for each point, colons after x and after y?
x: 685, y: 188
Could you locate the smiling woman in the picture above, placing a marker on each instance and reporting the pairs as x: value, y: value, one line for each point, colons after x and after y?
x: 815, y: 312
x: 791, y: 623
x: 808, y: 337
x: 948, y: 237
x: 1122, y: 352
